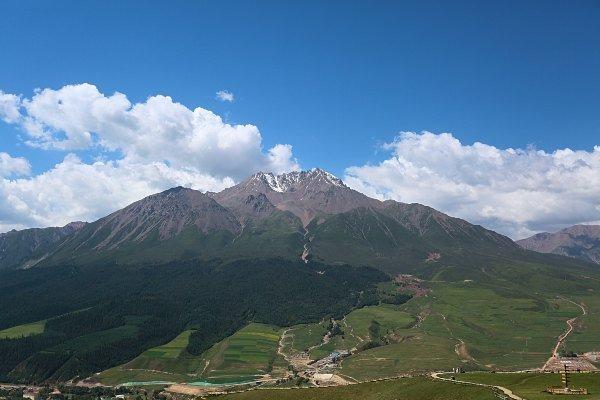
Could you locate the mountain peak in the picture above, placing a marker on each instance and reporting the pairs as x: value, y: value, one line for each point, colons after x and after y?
x: 289, y: 181
x: 305, y: 194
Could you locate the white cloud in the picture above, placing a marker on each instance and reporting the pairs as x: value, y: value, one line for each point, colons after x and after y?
x: 515, y: 191
x: 78, y: 117
x: 159, y: 143
x: 9, y: 107
x: 74, y: 190
x: 224, y: 95
x: 13, y: 165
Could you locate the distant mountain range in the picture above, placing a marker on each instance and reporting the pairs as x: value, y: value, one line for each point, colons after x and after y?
x: 309, y: 214
x: 579, y: 241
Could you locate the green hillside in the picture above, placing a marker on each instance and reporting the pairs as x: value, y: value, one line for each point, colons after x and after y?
x: 406, y: 389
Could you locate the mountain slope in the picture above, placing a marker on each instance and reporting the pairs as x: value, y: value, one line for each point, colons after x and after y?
x: 22, y: 249
x: 176, y: 223
x: 443, y: 230
x: 579, y: 241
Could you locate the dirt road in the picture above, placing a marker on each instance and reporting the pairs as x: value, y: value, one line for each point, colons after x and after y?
x: 569, y: 330
x: 506, y: 391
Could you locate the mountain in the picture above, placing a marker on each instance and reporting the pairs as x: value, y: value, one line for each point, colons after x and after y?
x: 344, y: 226
x: 305, y: 214
x: 25, y: 248
x: 578, y: 241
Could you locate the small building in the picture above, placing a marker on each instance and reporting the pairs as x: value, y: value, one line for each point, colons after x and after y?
x: 32, y: 394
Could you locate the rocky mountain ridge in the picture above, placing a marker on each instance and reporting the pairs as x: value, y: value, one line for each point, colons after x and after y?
x: 578, y: 241
x: 27, y: 247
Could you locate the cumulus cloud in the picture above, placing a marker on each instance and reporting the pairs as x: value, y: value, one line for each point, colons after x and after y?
x: 77, y: 117
x: 224, y: 95
x: 10, y: 166
x: 150, y: 146
x: 514, y: 191
x: 73, y: 190
x: 9, y: 107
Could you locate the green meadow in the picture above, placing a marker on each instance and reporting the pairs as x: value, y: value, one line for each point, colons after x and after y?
x: 419, y: 388
x: 34, y: 328
x: 356, y: 325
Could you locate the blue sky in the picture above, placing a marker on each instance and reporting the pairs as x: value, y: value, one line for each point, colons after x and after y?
x: 342, y: 74
x: 335, y: 80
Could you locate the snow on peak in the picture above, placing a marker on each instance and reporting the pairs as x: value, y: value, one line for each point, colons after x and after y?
x: 283, y: 182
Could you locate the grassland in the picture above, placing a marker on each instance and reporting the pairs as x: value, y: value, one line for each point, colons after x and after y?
x: 418, y: 388
x: 168, y: 362
x: 500, y: 329
x: 467, y: 324
x: 531, y: 386
x: 356, y: 327
x: 306, y: 336
x: 34, y: 328
x: 586, y: 334
x: 474, y: 325
x: 416, y: 353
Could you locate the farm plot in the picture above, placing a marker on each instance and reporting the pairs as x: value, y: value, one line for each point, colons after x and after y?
x: 246, y: 355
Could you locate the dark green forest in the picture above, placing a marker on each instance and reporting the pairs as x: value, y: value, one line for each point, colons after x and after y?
x: 99, y: 316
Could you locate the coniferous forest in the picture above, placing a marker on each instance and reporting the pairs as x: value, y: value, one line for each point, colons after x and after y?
x: 98, y: 316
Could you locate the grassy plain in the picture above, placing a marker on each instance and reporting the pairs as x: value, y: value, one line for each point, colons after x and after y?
x: 417, y: 352
x: 501, y: 329
x: 418, y: 388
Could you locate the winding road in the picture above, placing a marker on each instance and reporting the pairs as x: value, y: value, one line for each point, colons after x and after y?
x: 506, y: 391
x: 569, y: 330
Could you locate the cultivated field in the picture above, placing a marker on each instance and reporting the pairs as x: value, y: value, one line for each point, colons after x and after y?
x: 248, y: 354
